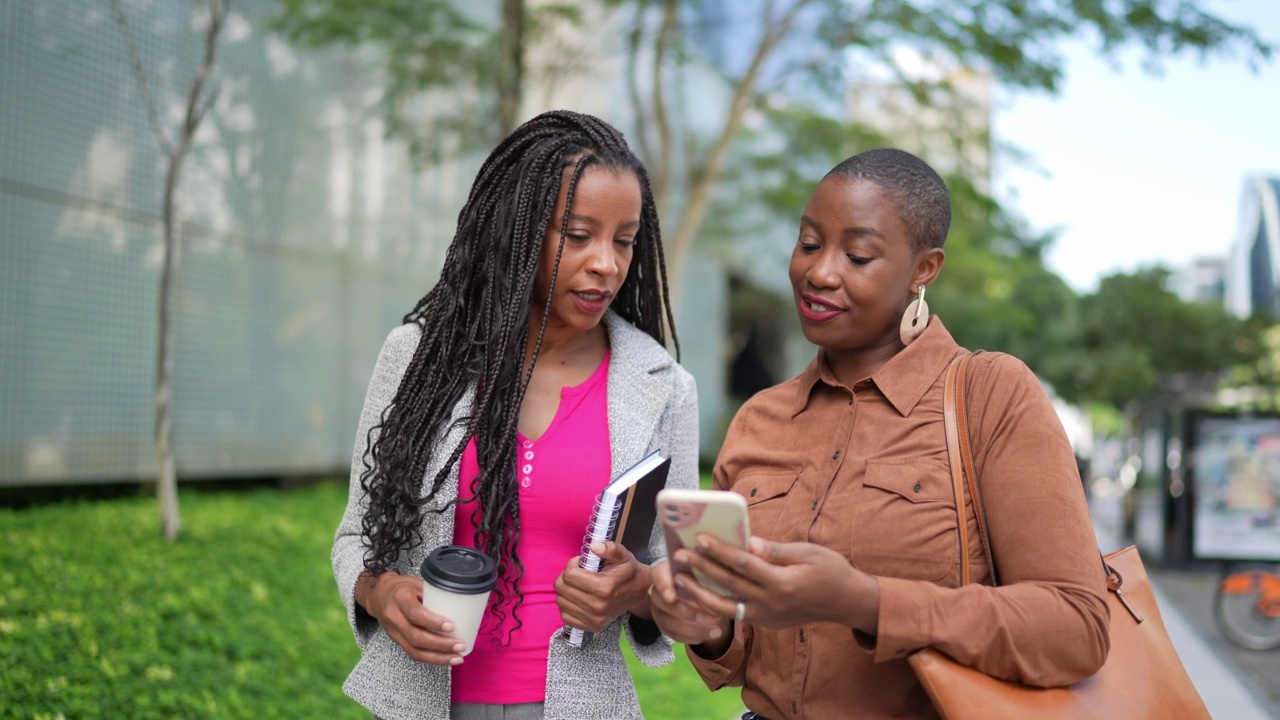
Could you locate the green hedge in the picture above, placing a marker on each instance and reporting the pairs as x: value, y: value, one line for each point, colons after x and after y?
x: 101, y: 618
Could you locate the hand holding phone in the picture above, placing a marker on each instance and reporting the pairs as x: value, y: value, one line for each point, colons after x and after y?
x: 686, y: 513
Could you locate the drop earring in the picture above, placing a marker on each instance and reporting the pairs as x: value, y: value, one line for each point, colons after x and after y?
x: 914, y: 319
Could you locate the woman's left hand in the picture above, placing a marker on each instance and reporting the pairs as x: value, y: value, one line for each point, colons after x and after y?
x: 783, y: 584
x: 592, y: 600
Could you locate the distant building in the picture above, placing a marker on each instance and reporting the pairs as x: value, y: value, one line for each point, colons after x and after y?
x: 1201, y: 280
x: 1253, y: 267
x: 952, y: 131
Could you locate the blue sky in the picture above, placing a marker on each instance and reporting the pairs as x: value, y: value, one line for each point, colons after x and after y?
x: 1135, y: 169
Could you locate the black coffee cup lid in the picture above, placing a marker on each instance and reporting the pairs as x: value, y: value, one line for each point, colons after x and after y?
x: 460, y: 569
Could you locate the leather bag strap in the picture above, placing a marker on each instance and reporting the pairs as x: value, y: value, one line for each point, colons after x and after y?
x: 960, y: 453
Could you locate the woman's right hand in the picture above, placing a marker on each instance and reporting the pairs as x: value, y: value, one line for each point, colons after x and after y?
x: 685, y: 621
x: 395, y: 601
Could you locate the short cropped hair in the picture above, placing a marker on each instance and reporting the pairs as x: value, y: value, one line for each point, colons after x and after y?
x: 923, y: 203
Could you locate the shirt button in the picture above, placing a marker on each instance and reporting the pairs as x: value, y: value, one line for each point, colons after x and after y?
x: 916, y: 487
x: 528, y: 454
x: 525, y: 482
x: 527, y: 469
x: 814, y: 506
x: 801, y: 636
x: 528, y: 443
x: 835, y: 455
x: 753, y: 492
x: 850, y: 399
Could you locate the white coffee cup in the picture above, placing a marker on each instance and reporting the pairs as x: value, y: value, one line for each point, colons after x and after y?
x: 456, y: 583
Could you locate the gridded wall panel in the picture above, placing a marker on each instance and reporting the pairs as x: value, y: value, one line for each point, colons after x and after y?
x: 304, y: 238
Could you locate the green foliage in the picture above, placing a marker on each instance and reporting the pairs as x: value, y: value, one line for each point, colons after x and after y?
x: 1256, y: 380
x: 1015, y: 40
x: 1134, y: 333
x: 430, y: 50
x: 676, y: 691
x: 100, y: 617
x: 425, y: 46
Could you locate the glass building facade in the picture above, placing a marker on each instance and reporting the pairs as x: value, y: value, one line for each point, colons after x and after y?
x: 1253, y: 268
x: 304, y: 236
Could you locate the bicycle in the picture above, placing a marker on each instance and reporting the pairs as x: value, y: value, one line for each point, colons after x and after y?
x: 1247, y: 606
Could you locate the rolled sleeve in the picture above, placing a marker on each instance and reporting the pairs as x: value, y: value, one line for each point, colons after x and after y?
x: 726, y: 670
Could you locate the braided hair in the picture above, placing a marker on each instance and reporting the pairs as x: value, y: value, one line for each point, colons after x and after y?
x: 475, y: 326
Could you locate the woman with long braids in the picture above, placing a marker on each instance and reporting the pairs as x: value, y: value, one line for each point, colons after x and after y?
x: 530, y: 375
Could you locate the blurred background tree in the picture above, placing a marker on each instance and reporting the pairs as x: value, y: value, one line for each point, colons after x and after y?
x: 736, y: 134
x: 432, y: 45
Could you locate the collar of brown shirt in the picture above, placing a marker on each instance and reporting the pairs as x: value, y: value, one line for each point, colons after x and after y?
x: 903, y: 380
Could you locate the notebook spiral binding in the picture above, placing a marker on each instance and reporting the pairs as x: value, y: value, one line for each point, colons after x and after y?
x: 602, y: 521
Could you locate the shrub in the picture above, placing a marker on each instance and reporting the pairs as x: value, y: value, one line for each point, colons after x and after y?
x: 101, y: 618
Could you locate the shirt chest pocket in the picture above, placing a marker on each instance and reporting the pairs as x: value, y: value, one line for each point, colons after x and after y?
x: 766, y: 500
x: 904, y: 521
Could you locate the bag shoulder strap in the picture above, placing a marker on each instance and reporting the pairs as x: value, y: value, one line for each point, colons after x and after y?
x: 960, y: 454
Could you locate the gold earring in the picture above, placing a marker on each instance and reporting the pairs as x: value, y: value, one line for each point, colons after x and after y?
x: 915, y: 319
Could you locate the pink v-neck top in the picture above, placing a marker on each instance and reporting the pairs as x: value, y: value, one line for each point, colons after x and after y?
x: 559, y: 475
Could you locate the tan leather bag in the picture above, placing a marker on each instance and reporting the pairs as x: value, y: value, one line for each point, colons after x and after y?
x: 1143, y: 678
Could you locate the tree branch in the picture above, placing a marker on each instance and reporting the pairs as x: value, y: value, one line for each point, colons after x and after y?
x: 704, y: 181
x: 135, y: 60
x: 662, y: 122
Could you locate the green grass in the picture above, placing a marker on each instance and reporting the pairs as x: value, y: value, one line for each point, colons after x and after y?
x: 101, y: 618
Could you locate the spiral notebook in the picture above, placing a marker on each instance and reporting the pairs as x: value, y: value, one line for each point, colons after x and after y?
x: 625, y: 512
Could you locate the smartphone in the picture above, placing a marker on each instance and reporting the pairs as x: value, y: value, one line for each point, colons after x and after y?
x: 685, y: 513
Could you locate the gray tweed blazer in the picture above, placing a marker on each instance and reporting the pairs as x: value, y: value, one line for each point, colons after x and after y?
x: 653, y: 405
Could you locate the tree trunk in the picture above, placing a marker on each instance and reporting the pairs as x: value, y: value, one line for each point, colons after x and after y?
x: 167, y: 479
x: 511, y: 65
x: 171, y: 245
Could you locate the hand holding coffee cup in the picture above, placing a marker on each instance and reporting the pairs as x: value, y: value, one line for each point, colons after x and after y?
x: 456, y: 583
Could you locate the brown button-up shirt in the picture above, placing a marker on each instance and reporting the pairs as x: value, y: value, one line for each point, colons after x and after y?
x: 864, y: 471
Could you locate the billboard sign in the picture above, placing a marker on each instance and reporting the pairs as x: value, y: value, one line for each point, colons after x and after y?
x: 1235, y: 471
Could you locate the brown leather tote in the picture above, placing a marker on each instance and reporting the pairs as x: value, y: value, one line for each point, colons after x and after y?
x: 1142, y: 679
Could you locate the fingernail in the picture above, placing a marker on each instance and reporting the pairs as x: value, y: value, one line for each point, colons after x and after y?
x: 597, y: 548
x: 703, y: 543
x: 714, y: 634
x: 756, y: 544
x: 447, y: 626
x: 458, y: 660
x: 459, y: 647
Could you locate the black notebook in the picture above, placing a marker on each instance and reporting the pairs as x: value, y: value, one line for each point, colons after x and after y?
x: 625, y: 512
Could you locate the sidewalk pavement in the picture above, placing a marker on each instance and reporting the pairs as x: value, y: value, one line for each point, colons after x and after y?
x: 1220, y: 678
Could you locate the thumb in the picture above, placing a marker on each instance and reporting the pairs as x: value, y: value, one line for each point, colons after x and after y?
x: 611, y: 552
